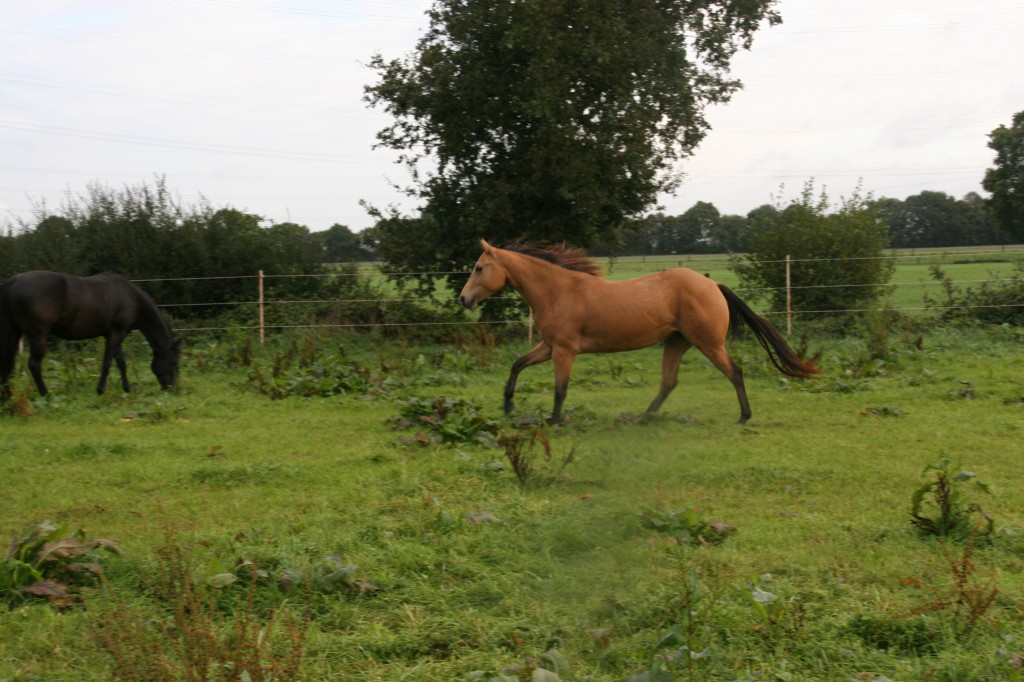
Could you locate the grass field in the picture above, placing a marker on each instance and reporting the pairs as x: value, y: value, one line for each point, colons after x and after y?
x: 419, y: 554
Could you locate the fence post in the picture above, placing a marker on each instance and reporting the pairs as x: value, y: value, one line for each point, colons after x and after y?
x: 789, y: 296
x: 262, y: 328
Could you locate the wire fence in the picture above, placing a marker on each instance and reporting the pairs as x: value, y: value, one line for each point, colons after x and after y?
x: 644, y: 264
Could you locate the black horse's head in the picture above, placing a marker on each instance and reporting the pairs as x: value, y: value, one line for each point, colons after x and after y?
x: 165, y: 365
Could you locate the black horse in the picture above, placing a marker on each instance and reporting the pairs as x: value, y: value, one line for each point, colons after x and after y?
x: 39, y: 303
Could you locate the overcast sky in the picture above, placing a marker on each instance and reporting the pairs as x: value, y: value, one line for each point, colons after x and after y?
x: 258, y: 105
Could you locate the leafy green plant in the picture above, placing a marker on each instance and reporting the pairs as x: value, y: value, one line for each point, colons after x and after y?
x: 48, y: 561
x: 686, y: 526
x: 773, y: 613
x: 687, y: 646
x: 324, y: 378
x: 446, y: 420
x: 951, y: 515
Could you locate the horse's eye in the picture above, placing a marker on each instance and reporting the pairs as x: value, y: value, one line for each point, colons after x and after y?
x: 478, y: 268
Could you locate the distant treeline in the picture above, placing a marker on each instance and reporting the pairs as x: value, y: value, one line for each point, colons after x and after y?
x: 928, y: 219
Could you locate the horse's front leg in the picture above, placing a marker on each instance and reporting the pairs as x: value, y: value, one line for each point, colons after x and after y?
x: 538, y: 354
x: 111, y: 351
x: 564, y: 359
x: 675, y: 347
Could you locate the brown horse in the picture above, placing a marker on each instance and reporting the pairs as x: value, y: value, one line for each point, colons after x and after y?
x: 40, y: 303
x: 577, y: 311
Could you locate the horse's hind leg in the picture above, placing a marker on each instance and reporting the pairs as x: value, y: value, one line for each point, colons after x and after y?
x: 8, y: 358
x: 675, y: 347
x: 119, y: 359
x: 719, y: 357
x: 538, y: 354
x: 36, y: 353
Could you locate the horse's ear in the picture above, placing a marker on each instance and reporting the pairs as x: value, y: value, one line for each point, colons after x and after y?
x: 487, y: 247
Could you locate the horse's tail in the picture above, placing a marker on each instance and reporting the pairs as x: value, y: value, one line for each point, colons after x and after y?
x: 780, y: 353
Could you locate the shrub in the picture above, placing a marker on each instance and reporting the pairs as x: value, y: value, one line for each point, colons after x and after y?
x: 995, y: 302
x: 844, y: 247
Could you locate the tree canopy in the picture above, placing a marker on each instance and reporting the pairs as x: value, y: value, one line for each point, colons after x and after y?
x: 1006, y: 180
x: 555, y: 119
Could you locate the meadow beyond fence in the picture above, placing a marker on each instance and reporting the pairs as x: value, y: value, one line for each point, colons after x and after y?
x: 912, y: 283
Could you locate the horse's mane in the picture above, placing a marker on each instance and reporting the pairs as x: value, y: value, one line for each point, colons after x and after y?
x: 558, y: 254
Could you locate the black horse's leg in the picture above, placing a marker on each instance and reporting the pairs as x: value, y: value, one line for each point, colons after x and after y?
x: 564, y: 359
x: 538, y: 354
x: 675, y: 347
x: 8, y: 358
x: 110, y: 351
x: 119, y: 359
x: 36, y: 353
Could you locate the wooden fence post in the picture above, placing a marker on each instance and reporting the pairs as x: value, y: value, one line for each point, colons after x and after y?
x: 262, y: 327
x: 789, y: 297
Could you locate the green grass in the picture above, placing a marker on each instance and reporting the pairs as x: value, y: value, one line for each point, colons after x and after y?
x: 818, y: 485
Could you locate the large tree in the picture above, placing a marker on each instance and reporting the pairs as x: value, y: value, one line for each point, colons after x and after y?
x: 1006, y: 180
x: 555, y: 119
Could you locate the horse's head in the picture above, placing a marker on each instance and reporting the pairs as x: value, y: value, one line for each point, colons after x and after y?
x: 488, y: 277
x: 165, y: 365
